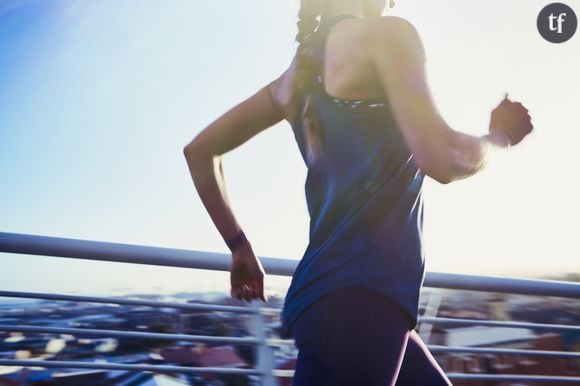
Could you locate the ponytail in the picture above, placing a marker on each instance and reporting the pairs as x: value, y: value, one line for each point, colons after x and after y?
x: 304, y: 77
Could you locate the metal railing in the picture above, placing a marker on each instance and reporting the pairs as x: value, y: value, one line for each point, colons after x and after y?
x: 264, y: 346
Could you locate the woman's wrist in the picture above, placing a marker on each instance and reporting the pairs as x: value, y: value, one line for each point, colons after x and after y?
x: 237, y: 242
x: 499, y: 138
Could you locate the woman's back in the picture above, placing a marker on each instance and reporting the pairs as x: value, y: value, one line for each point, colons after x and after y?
x: 349, y: 71
x: 349, y: 68
x: 363, y: 194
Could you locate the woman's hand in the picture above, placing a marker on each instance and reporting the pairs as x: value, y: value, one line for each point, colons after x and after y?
x: 246, y: 275
x: 512, y: 119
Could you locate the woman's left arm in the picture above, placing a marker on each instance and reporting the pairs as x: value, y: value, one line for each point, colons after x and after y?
x: 204, y: 160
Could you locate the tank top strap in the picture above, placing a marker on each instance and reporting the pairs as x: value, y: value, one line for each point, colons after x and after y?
x: 325, y: 25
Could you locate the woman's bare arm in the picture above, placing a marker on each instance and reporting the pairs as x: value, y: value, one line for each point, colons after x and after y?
x: 204, y: 153
x: 439, y: 151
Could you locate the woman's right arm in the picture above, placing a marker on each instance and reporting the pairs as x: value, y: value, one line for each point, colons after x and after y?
x: 439, y: 151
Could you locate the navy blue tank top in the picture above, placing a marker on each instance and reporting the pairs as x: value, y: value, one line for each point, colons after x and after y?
x: 364, y: 198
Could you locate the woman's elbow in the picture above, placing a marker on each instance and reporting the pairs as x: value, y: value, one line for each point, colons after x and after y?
x: 194, y: 149
x: 189, y: 150
x: 435, y: 169
x: 443, y: 161
x: 200, y: 157
x: 440, y: 176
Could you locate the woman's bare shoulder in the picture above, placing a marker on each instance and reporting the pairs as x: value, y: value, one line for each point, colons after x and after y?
x: 385, y: 29
x: 393, y: 36
x: 379, y: 23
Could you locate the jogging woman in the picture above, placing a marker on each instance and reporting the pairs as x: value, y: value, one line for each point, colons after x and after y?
x: 357, y: 100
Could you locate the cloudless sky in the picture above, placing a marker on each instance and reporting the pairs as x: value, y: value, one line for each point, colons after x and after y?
x: 97, y: 100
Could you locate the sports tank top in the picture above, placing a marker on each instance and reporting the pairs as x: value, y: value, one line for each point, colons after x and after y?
x: 364, y: 198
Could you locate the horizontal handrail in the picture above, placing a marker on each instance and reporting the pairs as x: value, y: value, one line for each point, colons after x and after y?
x: 514, y: 377
x: 137, y: 254
x: 471, y: 376
x: 123, y: 366
x: 508, y: 351
x: 129, y: 334
x: 130, y: 302
x: 128, y: 253
x: 242, y: 371
x: 495, y: 323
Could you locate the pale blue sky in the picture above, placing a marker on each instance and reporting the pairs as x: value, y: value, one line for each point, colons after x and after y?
x: 97, y: 100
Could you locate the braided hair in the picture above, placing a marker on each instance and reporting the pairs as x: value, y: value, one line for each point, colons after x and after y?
x: 310, y: 15
x: 311, y: 11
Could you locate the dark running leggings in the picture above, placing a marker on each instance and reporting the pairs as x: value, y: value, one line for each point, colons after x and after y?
x: 357, y: 337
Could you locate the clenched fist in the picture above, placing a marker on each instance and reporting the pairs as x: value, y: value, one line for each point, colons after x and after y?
x: 247, y: 276
x: 511, y: 118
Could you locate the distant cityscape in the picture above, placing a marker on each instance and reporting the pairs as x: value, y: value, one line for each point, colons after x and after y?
x: 24, y: 345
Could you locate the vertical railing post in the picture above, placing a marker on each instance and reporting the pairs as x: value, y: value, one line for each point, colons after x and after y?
x: 431, y: 310
x: 264, y: 352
